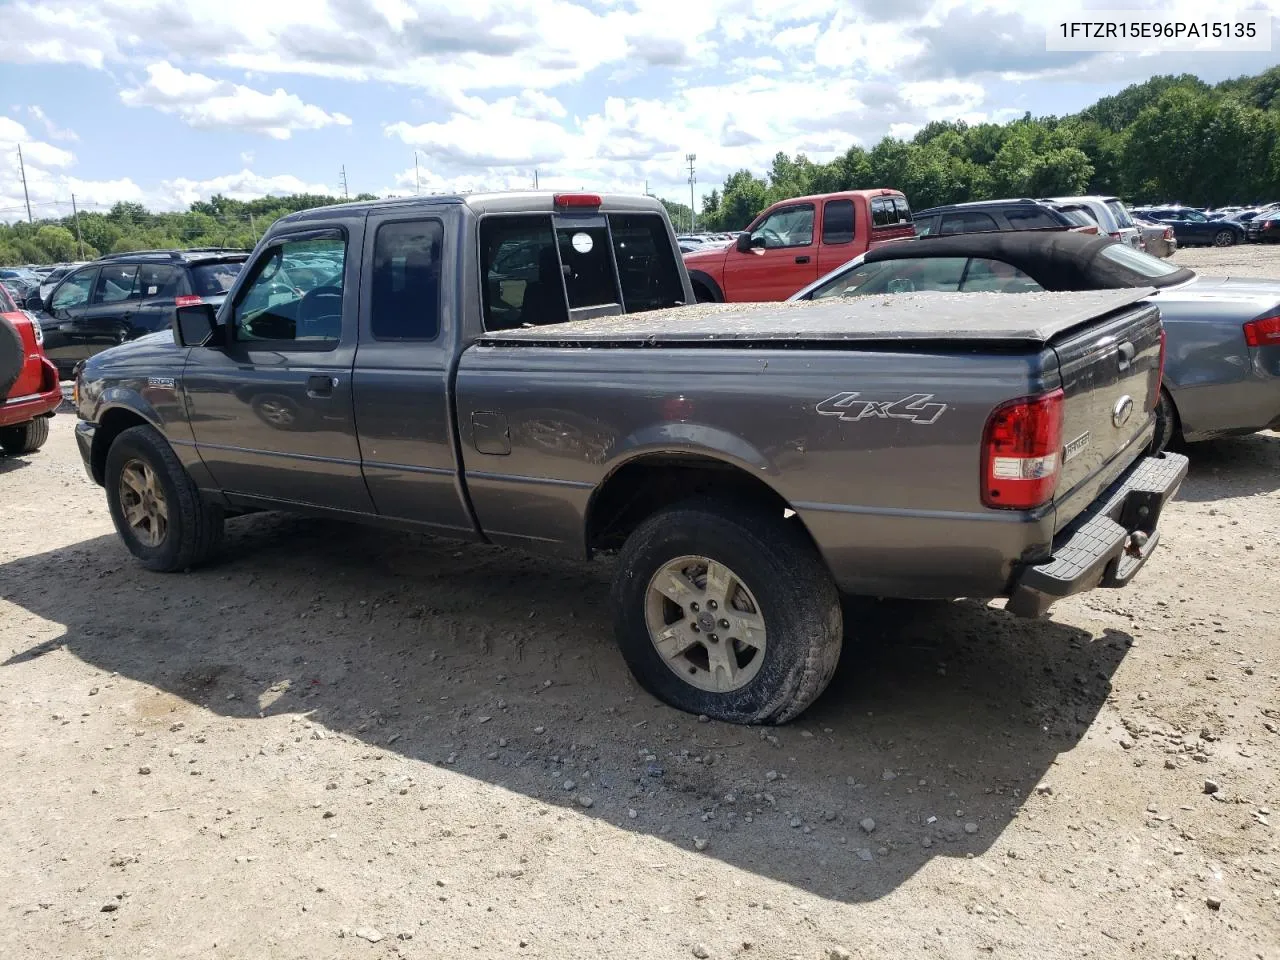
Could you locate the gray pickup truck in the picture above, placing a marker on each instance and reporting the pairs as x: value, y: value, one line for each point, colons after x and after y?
x: 522, y: 369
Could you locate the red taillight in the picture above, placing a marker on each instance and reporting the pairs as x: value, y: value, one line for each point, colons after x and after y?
x: 1022, y: 452
x: 1168, y: 233
x: 1114, y: 236
x: 577, y: 199
x: 1263, y: 332
x: 188, y: 301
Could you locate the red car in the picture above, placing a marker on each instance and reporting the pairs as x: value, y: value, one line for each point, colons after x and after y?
x: 29, y: 389
x: 795, y: 242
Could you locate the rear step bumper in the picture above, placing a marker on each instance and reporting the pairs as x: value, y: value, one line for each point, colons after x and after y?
x: 1107, y: 544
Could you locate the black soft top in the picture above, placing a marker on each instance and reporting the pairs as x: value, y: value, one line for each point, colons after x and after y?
x: 1059, y: 262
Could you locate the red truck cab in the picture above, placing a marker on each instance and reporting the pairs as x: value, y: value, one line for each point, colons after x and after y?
x: 794, y: 242
x: 29, y: 389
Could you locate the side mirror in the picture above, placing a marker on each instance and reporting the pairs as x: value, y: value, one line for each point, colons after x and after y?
x: 34, y: 303
x: 743, y: 243
x: 193, y: 325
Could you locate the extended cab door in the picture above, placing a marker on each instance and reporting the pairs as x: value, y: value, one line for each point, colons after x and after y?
x: 272, y: 408
x: 410, y: 320
x: 839, y: 231
x: 782, y: 259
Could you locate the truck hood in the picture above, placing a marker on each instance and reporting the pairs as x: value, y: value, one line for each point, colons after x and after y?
x: 153, y: 350
x: 705, y: 258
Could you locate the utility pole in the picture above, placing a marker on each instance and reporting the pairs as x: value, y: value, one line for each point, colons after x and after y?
x: 535, y: 178
x: 646, y: 186
x: 253, y: 228
x: 75, y: 212
x: 417, y: 181
x: 22, y: 167
x: 345, y: 192
x: 690, y: 157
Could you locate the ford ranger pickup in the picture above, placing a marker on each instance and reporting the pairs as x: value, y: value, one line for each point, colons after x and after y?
x: 526, y: 369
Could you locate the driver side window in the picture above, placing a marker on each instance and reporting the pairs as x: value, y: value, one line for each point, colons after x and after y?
x: 295, y: 293
x: 74, y: 291
x: 788, y: 227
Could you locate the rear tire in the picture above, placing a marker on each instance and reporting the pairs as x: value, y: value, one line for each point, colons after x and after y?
x: 702, y: 295
x: 1168, y: 430
x: 1224, y: 238
x: 25, y: 437
x: 777, y: 645
x: 192, y: 527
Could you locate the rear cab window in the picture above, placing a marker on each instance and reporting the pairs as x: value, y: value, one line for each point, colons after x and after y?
x: 541, y: 269
x: 889, y: 211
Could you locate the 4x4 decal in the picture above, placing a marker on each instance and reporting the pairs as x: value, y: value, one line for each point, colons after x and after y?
x: 849, y: 407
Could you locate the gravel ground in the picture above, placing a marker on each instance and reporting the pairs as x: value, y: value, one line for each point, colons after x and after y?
x: 343, y: 742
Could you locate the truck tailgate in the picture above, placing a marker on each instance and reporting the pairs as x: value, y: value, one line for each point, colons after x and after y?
x: 1110, y: 377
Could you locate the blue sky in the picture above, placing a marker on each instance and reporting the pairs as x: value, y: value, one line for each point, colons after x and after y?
x: 165, y: 101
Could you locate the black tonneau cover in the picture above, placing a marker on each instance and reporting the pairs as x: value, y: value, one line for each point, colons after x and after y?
x: 1032, y: 318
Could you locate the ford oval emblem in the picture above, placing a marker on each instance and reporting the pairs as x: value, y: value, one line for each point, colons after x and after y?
x: 1122, y: 411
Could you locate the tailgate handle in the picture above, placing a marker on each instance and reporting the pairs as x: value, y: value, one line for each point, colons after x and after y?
x: 1127, y: 353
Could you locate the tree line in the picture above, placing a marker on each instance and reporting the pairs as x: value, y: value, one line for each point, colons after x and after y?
x: 1170, y: 139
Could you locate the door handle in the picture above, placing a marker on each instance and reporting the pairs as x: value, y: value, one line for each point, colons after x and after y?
x: 318, y: 386
x: 802, y: 259
x: 1127, y: 353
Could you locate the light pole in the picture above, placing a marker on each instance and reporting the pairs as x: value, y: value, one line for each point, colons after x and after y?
x: 690, y: 157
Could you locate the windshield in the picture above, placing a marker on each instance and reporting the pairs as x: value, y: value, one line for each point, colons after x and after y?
x: 214, y: 279
x: 1078, y: 216
x: 6, y: 304
x: 1139, y: 262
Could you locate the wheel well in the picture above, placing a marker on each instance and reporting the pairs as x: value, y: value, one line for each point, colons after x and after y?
x: 637, y: 490
x: 113, y: 423
x: 703, y: 284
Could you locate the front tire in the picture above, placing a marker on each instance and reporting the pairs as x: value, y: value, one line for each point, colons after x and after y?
x: 727, y: 611
x: 156, y: 506
x: 1224, y: 238
x: 25, y: 437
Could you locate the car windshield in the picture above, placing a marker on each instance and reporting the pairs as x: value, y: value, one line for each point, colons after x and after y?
x: 214, y: 279
x: 6, y: 303
x: 1120, y: 213
x: 1077, y: 216
x: 1141, y: 263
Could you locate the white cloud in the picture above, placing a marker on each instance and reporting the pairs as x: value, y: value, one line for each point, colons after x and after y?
x: 206, y: 103
x: 55, y: 132
x: 180, y: 193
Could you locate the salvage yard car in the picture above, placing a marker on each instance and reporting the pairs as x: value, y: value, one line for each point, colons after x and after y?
x: 522, y: 369
x: 29, y: 389
x: 794, y: 242
x: 1223, y: 375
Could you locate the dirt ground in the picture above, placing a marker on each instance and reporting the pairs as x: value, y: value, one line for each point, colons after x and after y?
x: 346, y: 743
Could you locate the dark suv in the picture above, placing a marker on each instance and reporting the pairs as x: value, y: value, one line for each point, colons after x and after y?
x: 127, y: 295
x: 984, y: 216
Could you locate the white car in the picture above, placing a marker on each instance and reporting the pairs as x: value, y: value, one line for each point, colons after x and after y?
x: 1112, y: 217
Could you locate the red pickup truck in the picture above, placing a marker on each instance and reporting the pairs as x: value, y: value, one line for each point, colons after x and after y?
x: 29, y: 389
x: 782, y: 251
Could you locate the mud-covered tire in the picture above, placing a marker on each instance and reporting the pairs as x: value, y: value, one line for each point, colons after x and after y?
x: 195, y: 526
x: 776, y: 562
x: 1167, y: 427
x: 24, y: 437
